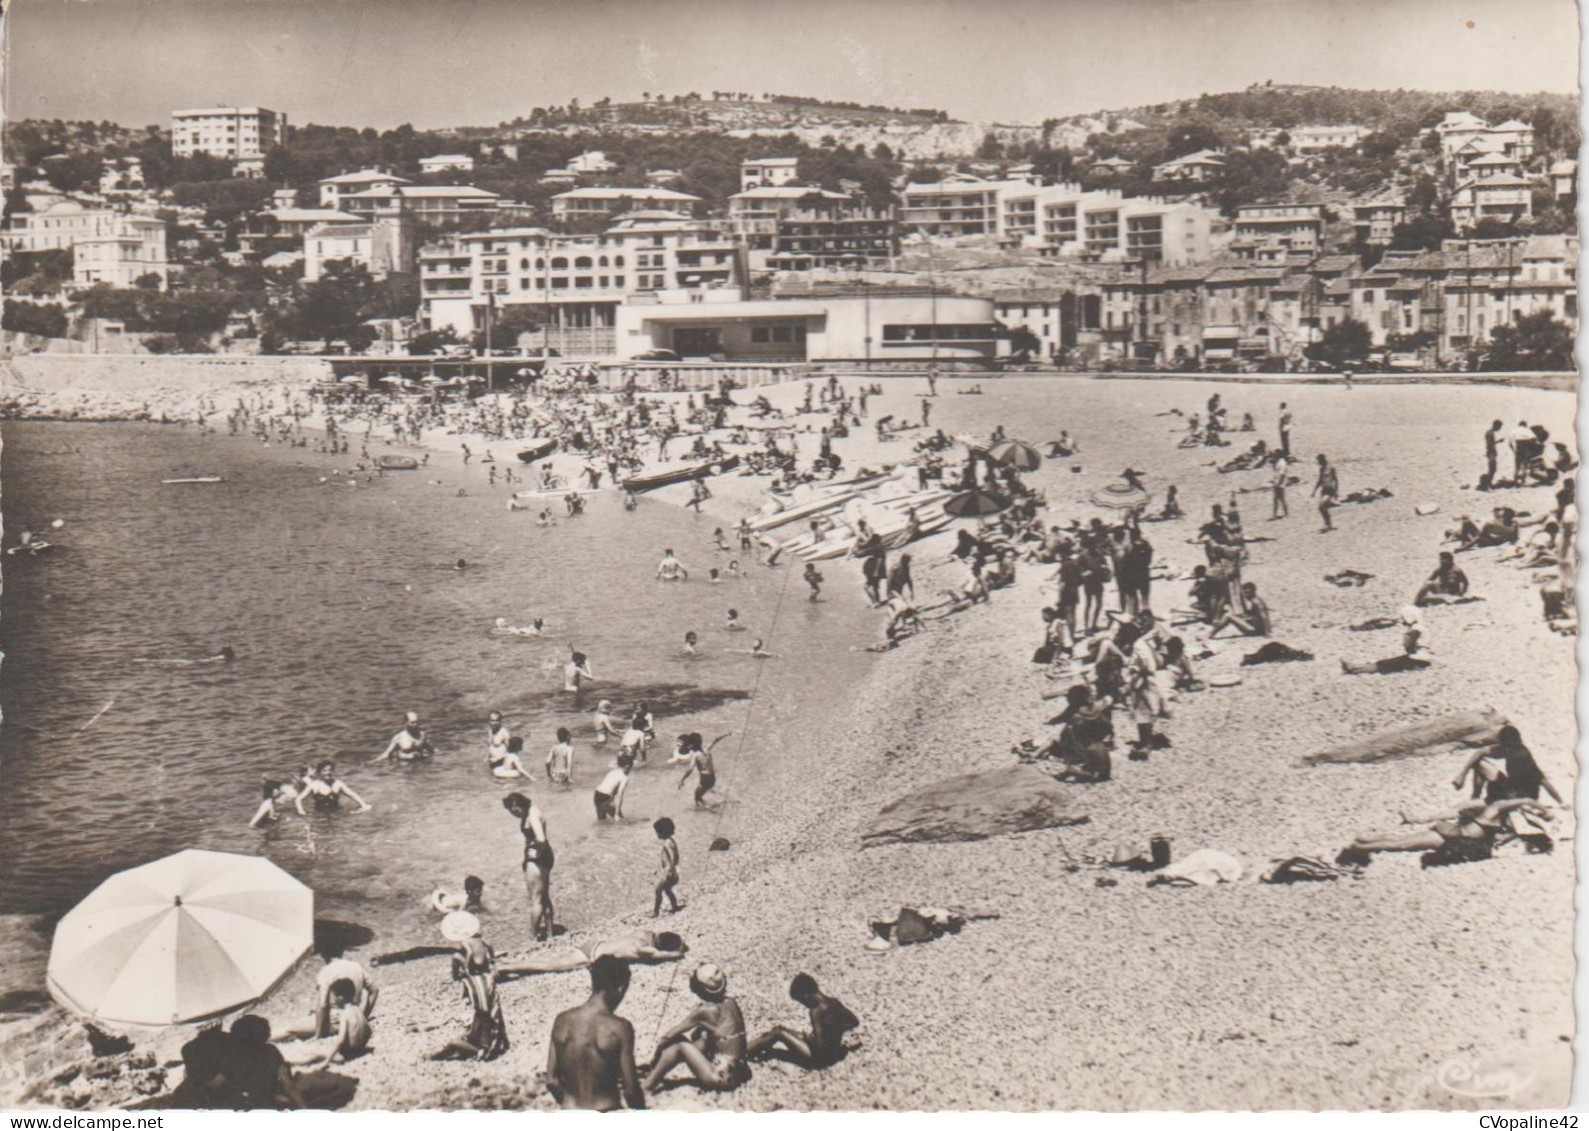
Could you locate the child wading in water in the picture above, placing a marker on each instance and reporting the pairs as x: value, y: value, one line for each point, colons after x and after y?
x: 668, y: 876
x: 813, y: 579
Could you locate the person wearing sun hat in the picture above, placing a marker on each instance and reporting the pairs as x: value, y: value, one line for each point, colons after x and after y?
x: 716, y: 1056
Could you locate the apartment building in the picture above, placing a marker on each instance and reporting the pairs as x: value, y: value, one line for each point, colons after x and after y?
x: 1460, y: 130
x: 956, y: 207
x: 437, y: 206
x: 577, y: 282
x: 603, y: 203
x: 1564, y: 179
x: 1501, y: 197
x: 230, y: 132
x: 768, y: 172
x: 57, y: 226
x: 1050, y: 314
x: 753, y: 215
x: 851, y: 238
x: 382, y: 247
x: 1066, y: 221
x: 1375, y: 221
x: 333, y: 189
x: 1264, y: 231
x: 122, y: 253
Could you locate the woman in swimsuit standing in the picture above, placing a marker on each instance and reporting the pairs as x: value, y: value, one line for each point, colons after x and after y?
x: 538, y: 861
x: 327, y: 790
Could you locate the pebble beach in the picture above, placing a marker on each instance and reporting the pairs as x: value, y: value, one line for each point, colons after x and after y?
x: 1077, y: 985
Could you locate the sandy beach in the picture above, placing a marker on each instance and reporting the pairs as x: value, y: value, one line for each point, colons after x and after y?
x: 1380, y: 991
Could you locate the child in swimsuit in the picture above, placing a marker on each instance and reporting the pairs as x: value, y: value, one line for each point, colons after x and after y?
x: 560, y: 760
x: 668, y: 874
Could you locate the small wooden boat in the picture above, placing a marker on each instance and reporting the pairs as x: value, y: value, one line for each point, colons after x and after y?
x: 397, y: 463
x: 679, y: 473
x: 37, y: 546
x: 537, y: 450
x: 196, y: 479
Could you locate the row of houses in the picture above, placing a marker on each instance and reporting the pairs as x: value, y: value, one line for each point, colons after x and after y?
x: 1437, y: 305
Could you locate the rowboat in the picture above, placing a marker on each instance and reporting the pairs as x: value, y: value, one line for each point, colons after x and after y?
x: 891, y: 538
x: 196, y: 479
x: 668, y: 475
x: 397, y: 463
x: 538, y: 449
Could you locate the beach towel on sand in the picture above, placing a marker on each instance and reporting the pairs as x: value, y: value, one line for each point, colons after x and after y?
x: 1203, y: 868
x: 1275, y: 652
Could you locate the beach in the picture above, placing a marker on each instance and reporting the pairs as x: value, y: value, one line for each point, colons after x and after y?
x: 1378, y: 991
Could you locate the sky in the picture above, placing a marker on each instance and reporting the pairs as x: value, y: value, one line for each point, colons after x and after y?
x: 436, y: 63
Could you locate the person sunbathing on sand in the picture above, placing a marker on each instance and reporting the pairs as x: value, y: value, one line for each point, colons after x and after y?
x: 1415, y: 651
x: 647, y: 947
x: 1473, y: 824
x: 821, y: 1045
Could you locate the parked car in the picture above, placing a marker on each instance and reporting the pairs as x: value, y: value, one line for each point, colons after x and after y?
x: 656, y: 355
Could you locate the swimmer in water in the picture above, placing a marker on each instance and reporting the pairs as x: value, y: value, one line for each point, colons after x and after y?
x: 327, y: 790
x: 560, y: 759
x: 690, y: 641
x: 671, y: 569
x: 535, y: 628
x: 545, y: 518
x: 511, y: 765
x: 603, y: 722
x: 757, y: 650
x: 733, y: 624
x: 714, y: 576
x: 224, y: 656
x: 576, y: 671
x: 497, y: 735
x: 460, y: 564
x: 408, y: 744
x: 733, y: 569
x: 274, y: 793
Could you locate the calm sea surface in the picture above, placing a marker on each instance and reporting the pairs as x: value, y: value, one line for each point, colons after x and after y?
x: 344, y: 612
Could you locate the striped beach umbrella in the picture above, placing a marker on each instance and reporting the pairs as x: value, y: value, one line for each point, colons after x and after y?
x: 189, y: 936
x: 975, y: 503
x: 1018, y: 454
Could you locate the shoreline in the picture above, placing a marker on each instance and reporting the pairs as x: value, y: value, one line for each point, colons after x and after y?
x: 1167, y: 996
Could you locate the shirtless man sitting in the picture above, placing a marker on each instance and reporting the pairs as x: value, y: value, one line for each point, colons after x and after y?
x: 590, y: 1057
x: 1446, y: 583
x: 820, y: 1046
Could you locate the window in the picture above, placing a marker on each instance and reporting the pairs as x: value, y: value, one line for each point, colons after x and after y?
x: 583, y: 263
x: 783, y: 333
x: 582, y: 282
x: 617, y: 281
x: 524, y: 265
x: 617, y: 261
x: 759, y: 335
x: 1368, y: 296
x: 602, y: 261
x: 559, y: 283
x: 559, y: 264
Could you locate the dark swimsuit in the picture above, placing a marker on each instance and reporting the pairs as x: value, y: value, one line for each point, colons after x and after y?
x: 537, y: 852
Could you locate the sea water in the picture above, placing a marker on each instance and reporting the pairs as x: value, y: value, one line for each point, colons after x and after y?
x: 344, y: 609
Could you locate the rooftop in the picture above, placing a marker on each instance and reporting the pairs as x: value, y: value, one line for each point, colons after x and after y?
x: 615, y: 192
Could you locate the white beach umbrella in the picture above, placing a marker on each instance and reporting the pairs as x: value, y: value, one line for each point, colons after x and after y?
x: 189, y: 936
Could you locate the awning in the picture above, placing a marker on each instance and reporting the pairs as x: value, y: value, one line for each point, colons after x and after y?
x: 1221, y: 332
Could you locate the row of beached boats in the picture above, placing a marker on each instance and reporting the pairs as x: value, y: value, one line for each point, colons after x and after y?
x: 852, y: 517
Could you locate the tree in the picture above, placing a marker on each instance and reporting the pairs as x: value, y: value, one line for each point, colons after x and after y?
x: 431, y: 341
x: 43, y: 319
x: 1534, y: 341
x: 1421, y: 233
x: 1345, y: 343
x: 508, y: 323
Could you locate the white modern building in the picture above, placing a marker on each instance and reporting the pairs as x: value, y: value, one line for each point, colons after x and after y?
x: 1067, y: 221
x: 1197, y: 167
x: 1316, y: 139
x: 957, y: 207
x: 231, y: 132
x: 857, y: 328
x: 576, y: 283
